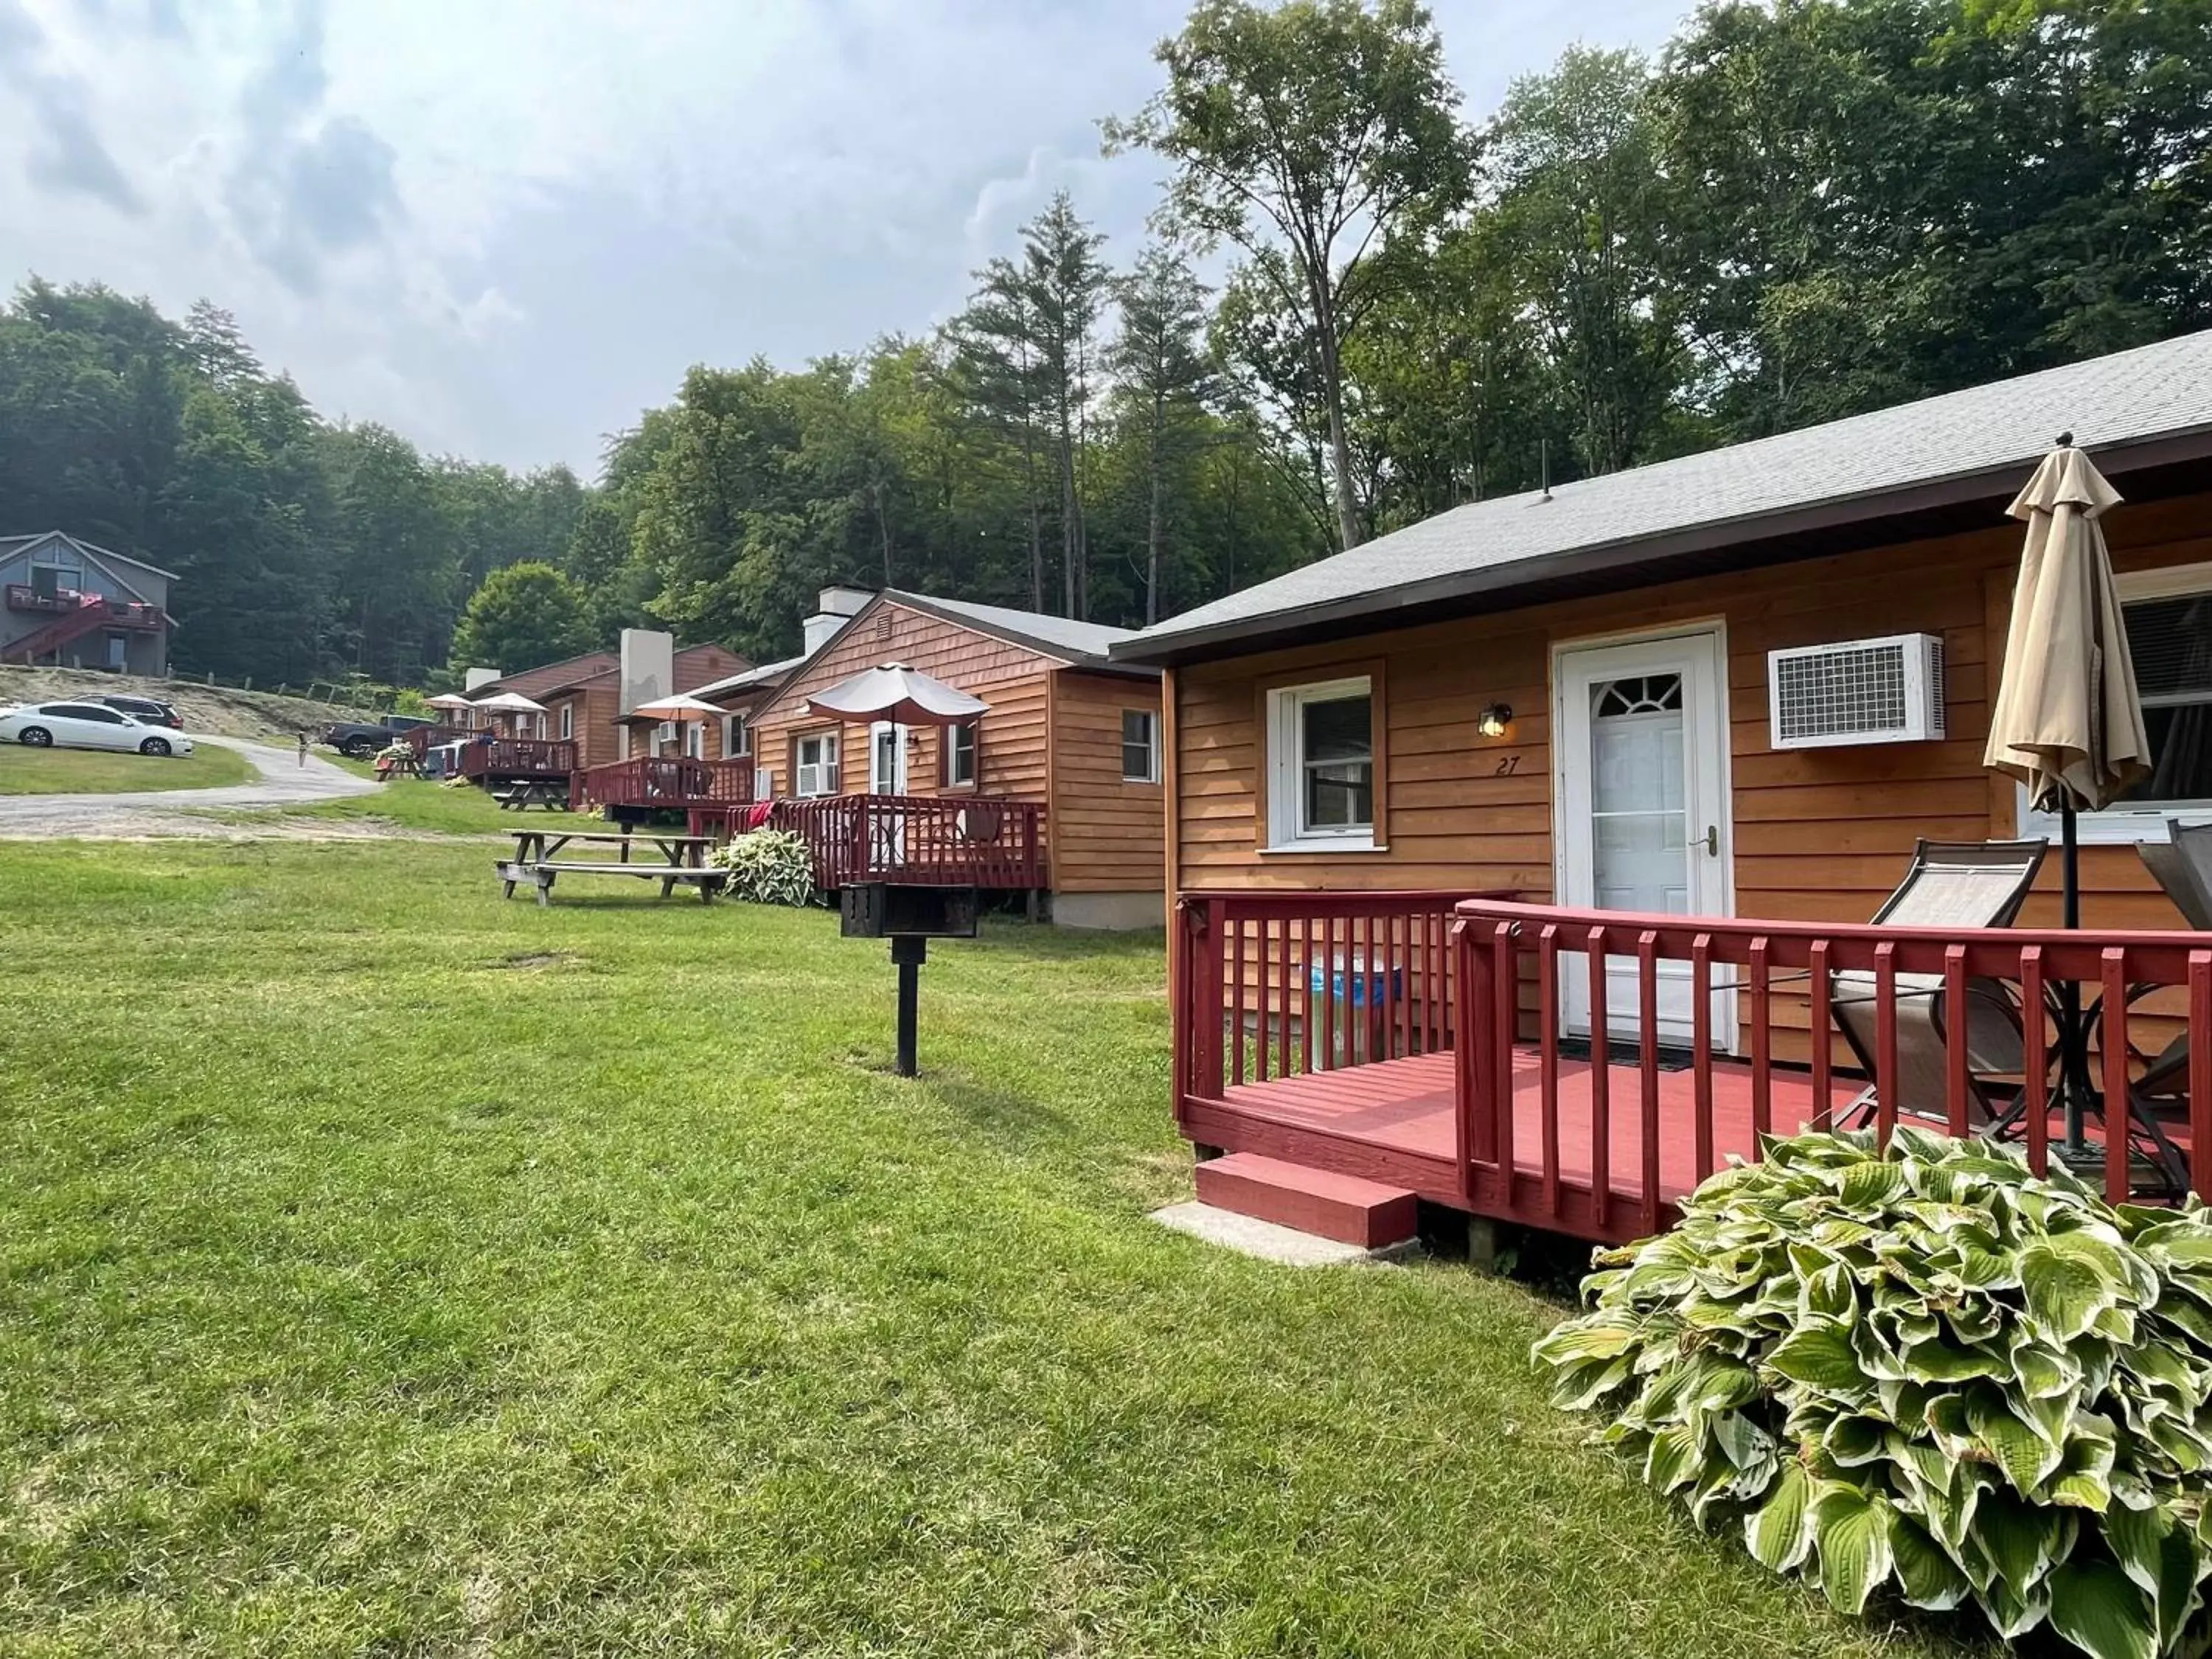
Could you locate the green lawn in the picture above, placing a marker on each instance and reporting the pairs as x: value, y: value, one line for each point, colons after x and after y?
x: 26, y: 771
x: 392, y: 1269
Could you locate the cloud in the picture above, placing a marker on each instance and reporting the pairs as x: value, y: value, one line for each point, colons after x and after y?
x: 305, y: 187
x: 66, y: 156
x: 503, y: 227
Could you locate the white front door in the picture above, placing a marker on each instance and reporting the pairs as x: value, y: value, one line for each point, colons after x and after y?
x: 886, y: 760
x: 886, y: 776
x: 1642, y: 804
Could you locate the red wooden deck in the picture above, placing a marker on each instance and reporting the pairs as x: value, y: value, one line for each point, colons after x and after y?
x: 1397, y: 1118
x: 1414, y: 1039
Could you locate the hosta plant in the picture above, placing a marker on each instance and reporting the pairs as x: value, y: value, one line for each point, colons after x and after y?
x: 769, y: 866
x: 1926, y: 1375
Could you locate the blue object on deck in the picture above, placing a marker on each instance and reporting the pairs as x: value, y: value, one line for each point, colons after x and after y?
x: 1357, y: 985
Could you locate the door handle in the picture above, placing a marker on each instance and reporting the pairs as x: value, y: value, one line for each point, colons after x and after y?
x: 1712, y: 841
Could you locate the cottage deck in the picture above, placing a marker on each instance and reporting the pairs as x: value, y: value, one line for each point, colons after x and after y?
x: 1414, y: 1039
x: 1400, y: 1113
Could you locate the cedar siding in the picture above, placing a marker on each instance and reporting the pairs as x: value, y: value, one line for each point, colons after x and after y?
x: 1053, y: 735
x: 1106, y: 831
x: 1818, y: 834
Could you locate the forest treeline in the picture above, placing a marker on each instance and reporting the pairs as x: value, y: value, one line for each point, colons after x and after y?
x: 1797, y: 210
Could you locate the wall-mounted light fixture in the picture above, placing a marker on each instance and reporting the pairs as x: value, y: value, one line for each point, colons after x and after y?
x: 1495, y: 720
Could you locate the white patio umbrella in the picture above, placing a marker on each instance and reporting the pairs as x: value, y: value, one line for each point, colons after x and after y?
x: 447, y: 700
x: 510, y: 702
x: 902, y: 695
x: 2067, y: 722
x: 682, y: 707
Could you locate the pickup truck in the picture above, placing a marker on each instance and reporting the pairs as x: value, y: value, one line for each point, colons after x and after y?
x: 361, y: 738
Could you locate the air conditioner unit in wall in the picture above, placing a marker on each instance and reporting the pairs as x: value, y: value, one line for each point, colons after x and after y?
x: 1885, y: 690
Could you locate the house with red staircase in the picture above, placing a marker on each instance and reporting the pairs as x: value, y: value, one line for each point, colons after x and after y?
x: 69, y: 603
x: 1521, y: 858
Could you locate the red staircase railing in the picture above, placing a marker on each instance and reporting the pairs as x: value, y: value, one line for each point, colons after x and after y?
x: 84, y: 614
x: 925, y: 840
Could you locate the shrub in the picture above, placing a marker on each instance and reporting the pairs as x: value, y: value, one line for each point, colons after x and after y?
x: 1929, y: 1372
x: 769, y: 866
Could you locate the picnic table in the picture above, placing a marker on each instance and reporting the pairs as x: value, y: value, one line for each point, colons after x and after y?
x: 389, y: 767
x: 681, y: 860
x: 551, y: 793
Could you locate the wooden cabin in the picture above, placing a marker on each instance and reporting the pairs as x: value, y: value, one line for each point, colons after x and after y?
x: 1514, y: 850
x: 587, y: 709
x: 1055, y: 790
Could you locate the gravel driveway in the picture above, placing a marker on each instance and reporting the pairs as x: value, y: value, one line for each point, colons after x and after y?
x: 139, y: 813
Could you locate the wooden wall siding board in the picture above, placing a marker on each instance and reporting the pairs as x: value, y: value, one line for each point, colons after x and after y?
x: 1011, y: 678
x: 1109, y: 835
x: 1819, y: 835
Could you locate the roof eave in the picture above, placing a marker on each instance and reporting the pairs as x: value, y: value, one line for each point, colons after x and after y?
x: 1248, y: 634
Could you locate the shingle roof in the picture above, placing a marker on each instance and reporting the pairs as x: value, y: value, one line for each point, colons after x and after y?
x: 551, y: 675
x: 1059, y: 636
x: 1982, y: 440
x: 764, y: 674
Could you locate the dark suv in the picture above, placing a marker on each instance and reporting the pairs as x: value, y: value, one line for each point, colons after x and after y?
x: 361, y: 740
x: 150, y: 710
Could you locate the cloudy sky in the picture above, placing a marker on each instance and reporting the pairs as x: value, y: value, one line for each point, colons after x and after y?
x: 504, y: 227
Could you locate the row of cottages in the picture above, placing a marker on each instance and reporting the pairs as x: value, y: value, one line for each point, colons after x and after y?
x: 1414, y: 788
x: 65, y: 601
x: 1055, y: 790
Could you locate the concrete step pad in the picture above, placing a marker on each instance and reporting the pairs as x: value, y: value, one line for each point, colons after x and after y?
x: 1346, y: 1208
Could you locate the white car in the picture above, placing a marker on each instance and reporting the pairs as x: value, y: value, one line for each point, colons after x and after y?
x: 88, y: 726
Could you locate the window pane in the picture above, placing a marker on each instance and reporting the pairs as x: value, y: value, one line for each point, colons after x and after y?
x: 1338, y: 731
x: 1137, y: 758
x: 2171, y: 641
x: 2180, y: 752
x: 1339, y: 795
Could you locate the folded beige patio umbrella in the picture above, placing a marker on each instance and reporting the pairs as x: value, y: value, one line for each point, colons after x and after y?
x: 2067, y: 722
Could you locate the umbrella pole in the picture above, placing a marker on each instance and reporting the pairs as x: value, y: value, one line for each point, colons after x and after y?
x: 2073, y: 1062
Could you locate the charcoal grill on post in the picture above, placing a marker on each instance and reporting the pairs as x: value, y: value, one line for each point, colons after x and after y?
x: 910, y: 916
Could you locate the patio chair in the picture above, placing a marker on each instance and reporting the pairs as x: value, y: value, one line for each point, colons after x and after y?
x: 1947, y: 885
x: 2182, y: 866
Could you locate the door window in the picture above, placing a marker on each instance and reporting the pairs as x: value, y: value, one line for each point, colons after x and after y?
x: 1639, y: 841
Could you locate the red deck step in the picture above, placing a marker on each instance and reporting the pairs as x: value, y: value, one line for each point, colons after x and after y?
x: 1343, y: 1207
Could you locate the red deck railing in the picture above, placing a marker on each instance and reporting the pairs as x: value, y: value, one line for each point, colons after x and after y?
x: 1276, y: 985
x: 2135, y: 984
x: 927, y: 840
x: 423, y: 738
x: 1704, y: 1034
x: 519, y: 758
x: 670, y: 782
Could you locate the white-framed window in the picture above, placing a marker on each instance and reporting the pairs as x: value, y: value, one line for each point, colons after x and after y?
x: 1321, y: 750
x: 1140, y: 746
x: 960, y: 755
x: 2168, y: 617
x: 568, y: 721
x: 816, y: 764
x: 737, y: 736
